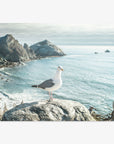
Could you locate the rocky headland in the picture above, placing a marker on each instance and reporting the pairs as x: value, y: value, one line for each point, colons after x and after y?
x: 13, y: 53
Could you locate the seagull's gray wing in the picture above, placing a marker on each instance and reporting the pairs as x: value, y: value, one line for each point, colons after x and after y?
x: 46, y: 84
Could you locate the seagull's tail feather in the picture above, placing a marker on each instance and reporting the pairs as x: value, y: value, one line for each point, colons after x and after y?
x: 36, y: 86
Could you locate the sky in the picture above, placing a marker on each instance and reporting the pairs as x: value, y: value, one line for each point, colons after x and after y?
x: 60, y: 34
x: 72, y: 22
x: 58, y: 11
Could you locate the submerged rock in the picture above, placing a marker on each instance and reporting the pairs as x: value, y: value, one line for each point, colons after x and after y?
x: 46, y: 49
x: 57, y: 110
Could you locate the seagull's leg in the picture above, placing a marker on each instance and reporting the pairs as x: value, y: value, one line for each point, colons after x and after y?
x: 51, y: 96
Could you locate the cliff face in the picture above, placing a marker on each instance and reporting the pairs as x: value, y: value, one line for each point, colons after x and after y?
x: 57, y: 110
x: 46, y: 49
x: 12, y: 50
x: 29, y: 51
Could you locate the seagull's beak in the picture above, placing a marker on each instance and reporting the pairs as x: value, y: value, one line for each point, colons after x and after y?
x: 61, y: 69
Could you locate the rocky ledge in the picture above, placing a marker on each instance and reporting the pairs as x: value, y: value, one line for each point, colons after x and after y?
x: 57, y: 110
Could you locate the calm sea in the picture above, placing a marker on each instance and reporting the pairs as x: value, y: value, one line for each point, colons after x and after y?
x: 87, y: 78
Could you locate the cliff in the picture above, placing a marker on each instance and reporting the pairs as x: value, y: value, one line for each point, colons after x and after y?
x: 11, y: 51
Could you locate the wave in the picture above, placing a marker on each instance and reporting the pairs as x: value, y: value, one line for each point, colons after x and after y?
x: 96, y: 84
x: 1, y: 69
x: 72, y: 56
x: 6, y: 95
x: 5, y: 73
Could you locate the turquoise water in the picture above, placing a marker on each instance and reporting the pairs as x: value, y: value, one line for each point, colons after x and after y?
x: 87, y: 78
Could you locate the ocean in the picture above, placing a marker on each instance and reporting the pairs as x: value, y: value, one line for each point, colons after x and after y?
x: 87, y: 78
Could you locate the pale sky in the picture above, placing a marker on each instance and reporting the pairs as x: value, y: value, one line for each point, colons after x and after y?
x: 58, y: 11
x: 78, y: 20
x: 31, y: 33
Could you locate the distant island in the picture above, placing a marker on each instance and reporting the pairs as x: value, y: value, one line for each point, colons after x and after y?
x: 13, y: 53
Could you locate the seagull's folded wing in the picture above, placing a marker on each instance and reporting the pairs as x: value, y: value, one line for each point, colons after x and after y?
x: 46, y: 84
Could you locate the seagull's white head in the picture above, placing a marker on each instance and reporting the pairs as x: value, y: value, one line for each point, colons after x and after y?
x: 60, y: 68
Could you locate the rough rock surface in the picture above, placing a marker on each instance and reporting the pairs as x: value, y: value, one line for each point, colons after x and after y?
x: 46, y: 48
x: 113, y: 112
x: 29, y: 51
x: 57, y: 110
x: 12, y: 50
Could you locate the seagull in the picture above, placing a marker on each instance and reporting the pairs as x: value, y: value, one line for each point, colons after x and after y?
x: 52, y: 84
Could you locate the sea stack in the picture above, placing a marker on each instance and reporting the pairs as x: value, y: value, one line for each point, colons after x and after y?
x: 107, y: 51
x: 95, y: 52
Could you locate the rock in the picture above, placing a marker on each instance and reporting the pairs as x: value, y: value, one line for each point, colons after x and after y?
x: 5, y: 108
x: 95, y: 52
x: 107, y: 51
x: 57, y: 110
x: 91, y: 109
x: 113, y: 112
x: 112, y: 116
x: 12, y: 50
x: 30, y: 52
x: 1, y: 114
x: 46, y: 49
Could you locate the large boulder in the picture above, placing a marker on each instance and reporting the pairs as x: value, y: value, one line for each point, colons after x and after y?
x: 12, y: 50
x: 57, y: 110
x: 46, y: 49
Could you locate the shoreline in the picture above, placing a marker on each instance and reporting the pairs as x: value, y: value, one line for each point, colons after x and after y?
x: 13, y: 64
